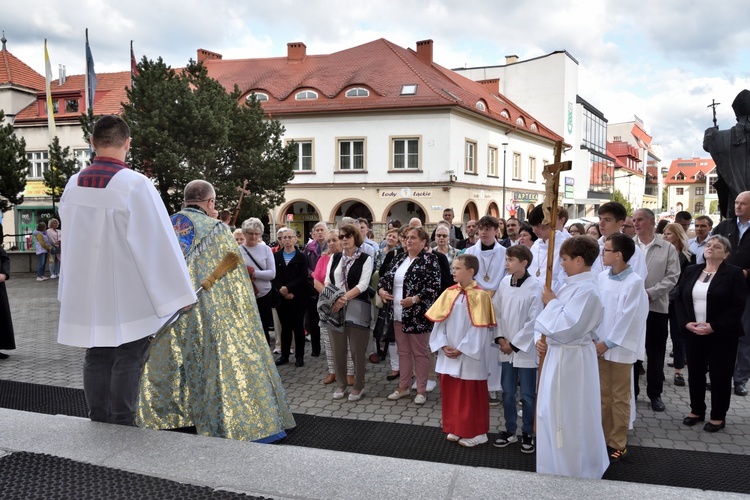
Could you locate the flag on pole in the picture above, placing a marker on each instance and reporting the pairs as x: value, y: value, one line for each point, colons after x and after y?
x: 133, y: 64
x: 48, y: 82
x: 90, y: 75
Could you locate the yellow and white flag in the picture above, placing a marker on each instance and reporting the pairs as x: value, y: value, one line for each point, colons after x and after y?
x: 50, y: 109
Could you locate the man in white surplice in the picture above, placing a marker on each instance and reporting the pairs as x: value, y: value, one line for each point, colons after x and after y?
x: 123, y: 273
x: 570, y: 439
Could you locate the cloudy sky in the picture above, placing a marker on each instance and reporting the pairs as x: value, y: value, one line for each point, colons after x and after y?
x: 663, y: 61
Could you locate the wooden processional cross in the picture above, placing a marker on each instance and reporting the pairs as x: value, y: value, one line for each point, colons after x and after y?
x: 551, y: 174
x: 243, y: 191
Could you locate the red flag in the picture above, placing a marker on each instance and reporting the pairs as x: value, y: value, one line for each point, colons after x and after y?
x: 133, y: 64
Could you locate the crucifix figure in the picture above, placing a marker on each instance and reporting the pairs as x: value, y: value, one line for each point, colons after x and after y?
x: 243, y: 191
x: 713, y: 105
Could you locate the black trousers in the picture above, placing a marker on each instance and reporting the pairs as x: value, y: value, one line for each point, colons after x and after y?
x: 292, y: 317
x: 677, y: 333
x: 265, y: 311
x: 714, y: 354
x: 312, y: 324
x: 656, y: 348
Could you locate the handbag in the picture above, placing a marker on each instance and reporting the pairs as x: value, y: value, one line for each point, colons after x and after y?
x: 358, y: 313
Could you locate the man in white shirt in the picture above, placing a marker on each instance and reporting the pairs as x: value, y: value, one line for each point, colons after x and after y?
x: 540, y: 249
x: 612, y: 218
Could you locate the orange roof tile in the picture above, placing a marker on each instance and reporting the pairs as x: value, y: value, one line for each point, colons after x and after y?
x: 110, y: 93
x: 694, y: 170
x: 621, y: 151
x: 17, y: 72
x: 379, y: 66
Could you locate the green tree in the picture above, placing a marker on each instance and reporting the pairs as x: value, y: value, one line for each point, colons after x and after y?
x: 14, y: 166
x: 713, y: 207
x: 87, y: 121
x: 665, y: 199
x: 186, y: 126
x: 62, y: 166
x: 620, y: 198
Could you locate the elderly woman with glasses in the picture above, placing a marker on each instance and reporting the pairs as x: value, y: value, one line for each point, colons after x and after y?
x: 709, y: 305
x: 442, y: 239
x: 350, y: 271
x: 412, y: 284
x: 261, y: 268
x: 291, y: 284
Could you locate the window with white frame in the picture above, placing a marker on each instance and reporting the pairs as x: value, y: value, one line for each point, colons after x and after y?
x: 39, y: 164
x: 699, y: 190
x: 470, y: 152
x: 305, y: 95
x: 406, y: 154
x: 83, y: 158
x: 517, y: 166
x: 351, y: 154
x: 259, y: 96
x: 492, y: 161
x: 304, y: 161
x: 532, y: 169
x: 357, y: 92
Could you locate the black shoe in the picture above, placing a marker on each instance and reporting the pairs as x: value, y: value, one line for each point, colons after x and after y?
x: 527, y: 443
x: 657, y: 405
x: 315, y: 354
x: 618, y: 455
x: 708, y: 385
x: 671, y: 354
x: 740, y: 389
x: 670, y: 364
x: 282, y: 361
x: 679, y: 380
x: 3, y: 355
x: 393, y: 377
x: 691, y: 421
x: 709, y: 427
x: 299, y: 363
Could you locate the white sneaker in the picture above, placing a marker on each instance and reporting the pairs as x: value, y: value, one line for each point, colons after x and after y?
x: 420, y: 399
x: 453, y: 438
x: 53, y: 276
x: 431, y: 384
x: 41, y: 278
x: 471, y: 442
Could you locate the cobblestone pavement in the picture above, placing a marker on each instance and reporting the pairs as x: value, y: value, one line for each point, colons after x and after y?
x: 40, y: 359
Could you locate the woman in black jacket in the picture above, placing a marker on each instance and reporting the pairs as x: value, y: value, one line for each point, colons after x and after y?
x: 292, y: 286
x: 709, y: 305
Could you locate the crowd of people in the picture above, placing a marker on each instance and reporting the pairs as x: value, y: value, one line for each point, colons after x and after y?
x: 559, y: 316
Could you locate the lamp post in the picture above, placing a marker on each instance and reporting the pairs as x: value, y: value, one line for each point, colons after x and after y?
x: 505, y: 148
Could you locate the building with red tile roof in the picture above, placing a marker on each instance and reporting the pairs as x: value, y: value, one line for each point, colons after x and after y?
x: 18, y: 82
x: 688, y: 181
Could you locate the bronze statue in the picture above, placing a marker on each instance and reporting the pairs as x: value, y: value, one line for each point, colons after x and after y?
x: 730, y: 149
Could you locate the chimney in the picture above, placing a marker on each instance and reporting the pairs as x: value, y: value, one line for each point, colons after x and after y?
x: 511, y: 59
x: 205, y: 55
x: 296, y: 51
x: 61, y: 80
x: 424, y: 51
x: 493, y: 85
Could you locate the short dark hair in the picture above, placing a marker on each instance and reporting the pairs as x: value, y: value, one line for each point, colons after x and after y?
x: 521, y: 253
x: 581, y: 246
x: 622, y: 243
x: 615, y: 209
x: 682, y: 215
x: 488, y: 220
x: 536, y: 216
x: 395, y: 223
x: 706, y: 218
x: 528, y: 229
x: 469, y: 261
x: 225, y: 215
x: 110, y: 131
x: 353, y: 231
x: 362, y: 219
x: 562, y: 213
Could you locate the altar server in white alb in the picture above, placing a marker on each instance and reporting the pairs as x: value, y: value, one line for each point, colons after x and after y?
x: 491, y: 255
x: 620, y: 340
x: 570, y: 439
x: 123, y: 273
x: 463, y: 316
x: 540, y: 249
x: 517, y: 304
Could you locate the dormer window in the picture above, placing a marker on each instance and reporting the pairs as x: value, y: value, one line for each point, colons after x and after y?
x: 357, y: 92
x: 504, y: 113
x: 305, y: 95
x: 409, y: 89
x: 520, y: 122
x: 481, y: 106
x: 680, y: 177
x: 534, y: 128
x: 71, y: 105
x: 259, y: 96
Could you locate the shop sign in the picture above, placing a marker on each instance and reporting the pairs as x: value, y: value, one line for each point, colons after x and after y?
x: 406, y: 193
x: 35, y: 189
x: 525, y: 196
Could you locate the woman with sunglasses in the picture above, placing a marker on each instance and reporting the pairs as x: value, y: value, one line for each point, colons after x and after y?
x: 350, y: 271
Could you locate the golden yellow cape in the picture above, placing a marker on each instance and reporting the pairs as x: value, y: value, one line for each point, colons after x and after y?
x: 478, y: 302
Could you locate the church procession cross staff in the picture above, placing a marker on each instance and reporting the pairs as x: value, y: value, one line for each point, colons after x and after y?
x: 551, y: 174
x: 243, y: 191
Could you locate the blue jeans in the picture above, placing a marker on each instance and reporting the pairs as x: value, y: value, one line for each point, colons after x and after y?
x: 41, y: 264
x: 509, y: 380
x: 54, y: 266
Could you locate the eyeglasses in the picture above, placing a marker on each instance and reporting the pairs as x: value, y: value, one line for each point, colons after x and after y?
x: 344, y: 236
x: 628, y: 226
x: 441, y: 236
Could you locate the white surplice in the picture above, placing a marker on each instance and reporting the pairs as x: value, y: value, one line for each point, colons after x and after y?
x: 516, y: 310
x: 570, y: 438
x: 637, y: 261
x: 538, y: 267
x: 122, y: 272
x: 458, y: 332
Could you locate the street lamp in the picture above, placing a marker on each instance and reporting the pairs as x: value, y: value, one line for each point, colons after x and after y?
x: 505, y: 148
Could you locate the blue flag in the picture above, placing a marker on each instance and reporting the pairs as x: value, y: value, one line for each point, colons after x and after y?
x: 90, y: 75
